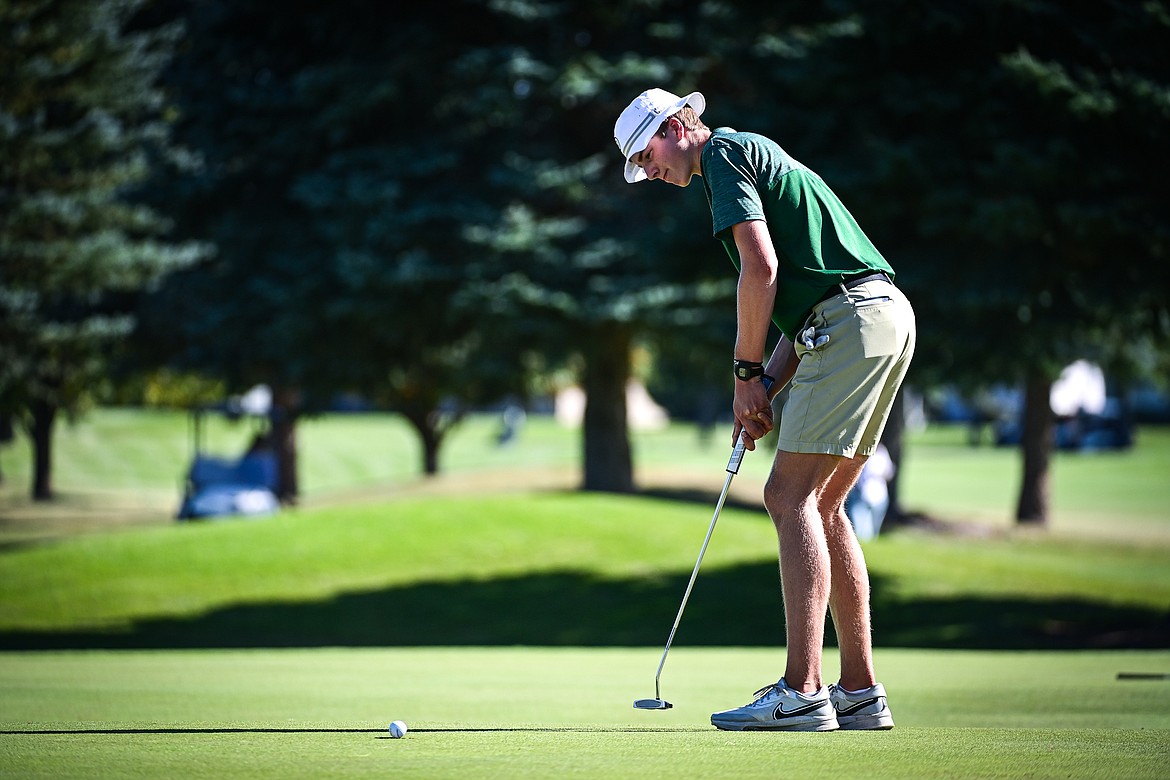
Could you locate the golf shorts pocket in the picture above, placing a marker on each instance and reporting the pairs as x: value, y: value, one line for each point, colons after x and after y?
x: 878, y: 326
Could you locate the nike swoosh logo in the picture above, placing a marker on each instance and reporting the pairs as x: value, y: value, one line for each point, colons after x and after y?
x: 857, y: 707
x: 780, y: 714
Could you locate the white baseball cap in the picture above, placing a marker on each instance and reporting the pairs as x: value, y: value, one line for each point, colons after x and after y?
x: 641, y: 120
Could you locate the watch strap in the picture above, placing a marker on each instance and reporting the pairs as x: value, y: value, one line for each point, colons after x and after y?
x: 746, y: 370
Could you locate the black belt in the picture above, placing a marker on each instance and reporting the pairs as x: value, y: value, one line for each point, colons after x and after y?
x: 849, y: 282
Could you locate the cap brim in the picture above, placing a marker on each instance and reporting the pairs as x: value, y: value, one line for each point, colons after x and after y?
x: 633, y: 171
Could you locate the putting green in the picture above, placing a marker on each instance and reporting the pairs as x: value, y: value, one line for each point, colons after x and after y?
x: 545, y: 712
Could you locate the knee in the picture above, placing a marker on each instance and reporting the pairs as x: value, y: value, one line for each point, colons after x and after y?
x: 785, y: 507
x: 772, y: 500
x: 837, y: 521
x: 775, y: 510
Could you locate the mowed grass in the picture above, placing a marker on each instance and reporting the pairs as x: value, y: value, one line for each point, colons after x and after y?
x: 550, y: 568
x: 118, y: 468
x: 511, y: 621
x: 545, y: 713
x: 482, y: 556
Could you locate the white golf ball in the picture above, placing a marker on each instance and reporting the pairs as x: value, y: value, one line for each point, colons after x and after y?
x: 398, y: 729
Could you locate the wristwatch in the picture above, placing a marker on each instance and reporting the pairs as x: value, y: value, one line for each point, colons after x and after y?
x: 746, y: 370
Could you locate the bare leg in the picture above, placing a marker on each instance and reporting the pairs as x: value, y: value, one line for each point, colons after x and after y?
x: 849, y: 596
x: 805, y: 570
x: 821, y: 567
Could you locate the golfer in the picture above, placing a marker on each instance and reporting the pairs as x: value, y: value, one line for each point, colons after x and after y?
x: 848, y: 338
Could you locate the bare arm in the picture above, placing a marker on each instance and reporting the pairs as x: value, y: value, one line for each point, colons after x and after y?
x: 756, y: 293
x: 755, y: 297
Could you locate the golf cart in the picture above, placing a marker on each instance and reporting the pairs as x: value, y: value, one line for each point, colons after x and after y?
x: 243, y: 486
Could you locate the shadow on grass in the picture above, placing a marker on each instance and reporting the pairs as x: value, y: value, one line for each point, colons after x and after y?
x: 733, y: 606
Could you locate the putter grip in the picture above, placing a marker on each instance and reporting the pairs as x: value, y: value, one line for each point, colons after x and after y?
x: 741, y: 445
x: 737, y: 456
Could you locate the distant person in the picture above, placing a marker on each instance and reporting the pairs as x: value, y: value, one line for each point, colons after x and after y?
x: 869, y: 500
x: 511, y: 421
x: 805, y: 265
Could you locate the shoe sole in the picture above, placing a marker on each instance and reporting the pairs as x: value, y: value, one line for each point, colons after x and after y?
x: 814, y: 725
x: 881, y: 721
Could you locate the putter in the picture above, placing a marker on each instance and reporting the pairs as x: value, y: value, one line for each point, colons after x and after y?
x: 658, y: 703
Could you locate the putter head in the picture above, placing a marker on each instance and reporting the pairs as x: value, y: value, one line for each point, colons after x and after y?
x: 652, y: 704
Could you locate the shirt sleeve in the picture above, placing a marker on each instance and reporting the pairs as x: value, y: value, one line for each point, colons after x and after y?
x: 732, y: 178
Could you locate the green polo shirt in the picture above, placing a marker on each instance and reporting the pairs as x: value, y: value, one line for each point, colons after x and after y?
x: 748, y: 177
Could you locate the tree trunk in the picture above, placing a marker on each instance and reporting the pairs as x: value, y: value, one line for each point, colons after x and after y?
x: 608, y: 464
x: 7, y: 434
x: 432, y: 424
x: 44, y: 416
x: 431, y: 436
x: 892, y: 438
x: 285, y: 411
x: 1036, y: 444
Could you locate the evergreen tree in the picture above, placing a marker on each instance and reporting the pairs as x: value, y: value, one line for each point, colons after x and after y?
x: 603, y: 265
x: 1000, y: 154
x: 341, y: 162
x: 81, y: 123
x: 419, y: 210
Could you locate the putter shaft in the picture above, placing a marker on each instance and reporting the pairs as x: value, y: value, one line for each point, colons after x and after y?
x: 732, y: 469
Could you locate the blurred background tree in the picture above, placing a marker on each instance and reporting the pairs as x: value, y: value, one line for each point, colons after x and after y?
x: 419, y: 212
x: 425, y: 207
x: 999, y: 153
x: 81, y: 123
x: 600, y: 264
x: 340, y: 164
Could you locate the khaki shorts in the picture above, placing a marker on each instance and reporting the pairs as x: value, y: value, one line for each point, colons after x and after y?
x: 844, y: 387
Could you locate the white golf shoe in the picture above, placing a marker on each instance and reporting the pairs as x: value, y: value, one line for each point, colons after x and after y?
x: 862, y: 710
x: 779, y: 708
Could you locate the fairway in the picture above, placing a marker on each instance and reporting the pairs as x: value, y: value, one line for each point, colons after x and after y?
x: 545, y: 712
x: 121, y: 468
x: 511, y: 621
